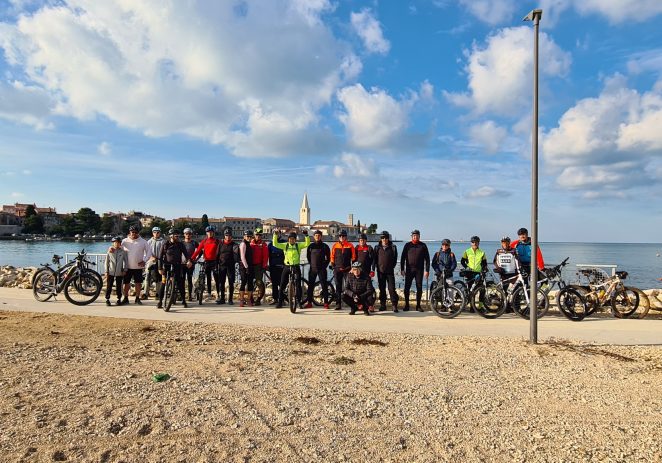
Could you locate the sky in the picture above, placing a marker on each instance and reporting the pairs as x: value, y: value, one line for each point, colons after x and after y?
x: 408, y: 114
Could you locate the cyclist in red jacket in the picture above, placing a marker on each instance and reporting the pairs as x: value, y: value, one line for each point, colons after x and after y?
x: 260, y: 257
x: 208, y: 248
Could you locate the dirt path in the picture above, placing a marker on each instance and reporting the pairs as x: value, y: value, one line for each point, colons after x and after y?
x: 77, y: 388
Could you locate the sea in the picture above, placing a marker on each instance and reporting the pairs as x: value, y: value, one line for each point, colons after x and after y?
x: 642, y: 261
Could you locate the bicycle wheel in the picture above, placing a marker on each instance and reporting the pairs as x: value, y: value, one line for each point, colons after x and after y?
x: 488, y: 301
x: 644, y: 304
x: 200, y: 289
x: 304, y: 290
x: 431, y: 289
x: 43, y: 285
x: 571, y: 304
x: 521, y: 304
x: 82, y: 289
x: 291, y: 296
x: 447, y: 302
x: 592, y: 303
x: 170, y: 294
x: 624, y: 302
x: 462, y: 286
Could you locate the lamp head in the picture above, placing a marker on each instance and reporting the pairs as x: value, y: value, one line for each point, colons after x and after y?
x: 532, y: 15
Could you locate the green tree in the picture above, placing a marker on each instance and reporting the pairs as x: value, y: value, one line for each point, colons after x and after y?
x: 30, y: 211
x: 372, y: 228
x: 87, y: 221
x: 33, y: 224
x: 107, y: 224
x: 69, y: 227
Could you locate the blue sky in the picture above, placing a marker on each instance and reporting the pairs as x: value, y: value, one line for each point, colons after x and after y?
x: 408, y: 114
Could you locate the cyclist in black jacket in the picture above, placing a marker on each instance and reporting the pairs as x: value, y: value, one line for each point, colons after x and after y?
x: 415, y: 264
x: 366, y: 255
x: 386, y: 258
x: 319, y: 256
x: 228, y: 256
x: 359, y: 293
x: 173, y: 256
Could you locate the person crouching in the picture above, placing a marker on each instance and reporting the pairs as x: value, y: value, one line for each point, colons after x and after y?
x: 359, y: 293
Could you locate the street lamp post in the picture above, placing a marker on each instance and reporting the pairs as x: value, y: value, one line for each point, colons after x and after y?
x: 534, y: 16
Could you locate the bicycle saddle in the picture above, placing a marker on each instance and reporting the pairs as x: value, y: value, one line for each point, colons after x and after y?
x: 622, y: 275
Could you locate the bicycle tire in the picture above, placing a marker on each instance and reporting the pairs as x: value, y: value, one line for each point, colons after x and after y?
x: 447, y: 302
x: 291, y: 296
x: 43, y: 284
x: 169, y: 294
x: 200, y: 289
x: 258, y: 291
x: 84, y: 285
x: 431, y: 289
x: 592, y: 303
x: 572, y: 304
x: 522, y: 308
x: 462, y: 286
x: 624, y: 302
x: 491, y: 304
x: 304, y: 290
x: 644, y: 304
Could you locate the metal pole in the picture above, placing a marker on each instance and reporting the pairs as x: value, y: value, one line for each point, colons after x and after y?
x: 533, y: 337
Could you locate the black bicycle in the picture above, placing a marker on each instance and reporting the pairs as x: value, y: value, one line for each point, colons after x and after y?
x: 485, y: 296
x: 199, y: 286
x: 80, y: 284
x: 170, y: 291
x: 570, y: 301
x: 446, y: 299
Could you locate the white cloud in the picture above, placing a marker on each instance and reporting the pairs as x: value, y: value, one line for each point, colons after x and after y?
x: 26, y: 172
x: 616, y: 11
x: 376, y: 120
x: 104, y: 148
x: 16, y: 194
x: 490, y: 11
x: 489, y: 135
x: 229, y: 73
x: 487, y: 192
x: 25, y: 104
x: 500, y: 72
x: 370, y: 30
x: 353, y: 165
x: 607, y: 142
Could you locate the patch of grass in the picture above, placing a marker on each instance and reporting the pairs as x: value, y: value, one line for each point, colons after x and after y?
x: 369, y: 342
x: 307, y: 340
x: 342, y: 360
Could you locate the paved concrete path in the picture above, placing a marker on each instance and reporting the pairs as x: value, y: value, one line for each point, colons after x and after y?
x: 597, y: 330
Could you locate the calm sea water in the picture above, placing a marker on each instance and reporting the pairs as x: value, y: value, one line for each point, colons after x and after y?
x: 643, y: 262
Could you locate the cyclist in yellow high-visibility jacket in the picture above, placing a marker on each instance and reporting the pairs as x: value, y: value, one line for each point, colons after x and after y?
x: 292, y: 250
x: 473, y: 260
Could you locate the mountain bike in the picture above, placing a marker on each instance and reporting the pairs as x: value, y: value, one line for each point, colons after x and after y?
x: 199, y: 286
x: 292, y: 298
x: 80, y: 284
x: 446, y: 299
x: 318, y: 300
x: 570, y: 301
x: 609, y: 290
x: 517, y: 294
x: 170, y: 291
x: 485, y: 296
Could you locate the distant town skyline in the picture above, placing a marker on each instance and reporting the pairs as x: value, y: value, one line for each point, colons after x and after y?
x: 408, y: 114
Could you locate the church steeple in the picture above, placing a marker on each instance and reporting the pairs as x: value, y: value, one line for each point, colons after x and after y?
x: 304, y: 213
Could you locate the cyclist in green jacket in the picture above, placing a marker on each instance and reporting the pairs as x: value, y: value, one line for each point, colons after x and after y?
x: 292, y: 250
x: 474, y: 261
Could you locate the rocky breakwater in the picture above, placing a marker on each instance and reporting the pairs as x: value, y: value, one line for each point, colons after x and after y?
x: 16, y: 277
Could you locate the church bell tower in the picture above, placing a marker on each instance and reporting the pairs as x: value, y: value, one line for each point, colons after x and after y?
x: 304, y: 212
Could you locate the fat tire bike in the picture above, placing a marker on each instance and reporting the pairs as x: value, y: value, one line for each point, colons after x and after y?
x: 80, y: 284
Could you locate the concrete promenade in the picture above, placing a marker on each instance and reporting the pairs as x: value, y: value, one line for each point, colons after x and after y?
x: 595, y: 330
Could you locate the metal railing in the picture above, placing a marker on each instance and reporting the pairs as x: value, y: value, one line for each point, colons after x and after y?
x: 98, y: 259
x: 601, y: 266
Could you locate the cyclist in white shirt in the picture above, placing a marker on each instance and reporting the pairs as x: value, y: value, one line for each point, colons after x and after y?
x: 138, y: 253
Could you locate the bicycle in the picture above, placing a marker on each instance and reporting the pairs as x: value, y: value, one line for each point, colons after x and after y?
x: 318, y: 300
x: 446, y: 299
x: 569, y: 300
x: 517, y: 294
x: 609, y: 290
x: 199, y: 286
x: 292, y: 299
x: 80, y: 284
x: 485, y: 297
x: 170, y: 291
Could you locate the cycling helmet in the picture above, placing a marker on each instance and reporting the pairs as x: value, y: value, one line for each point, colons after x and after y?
x: 384, y: 234
x: 227, y: 232
x: 446, y: 241
x: 208, y: 229
x: 156, y: 229
x: 258, y: 231
x: 292, y: 235
x: 363, y: 236
x: 522, y: 231
x: 248, y: 233
x: 173, y: 231
x: 188, y: 230
x: 475, y: 239
x: 342, y: 233
x: 416, y: 232
x: 505, y: 239
x: 318, y: 232
x: 356, y: 265
x: 117, y: 238
x: 133, y: 228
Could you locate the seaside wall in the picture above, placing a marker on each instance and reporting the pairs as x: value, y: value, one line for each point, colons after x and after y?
x: 12, y: 277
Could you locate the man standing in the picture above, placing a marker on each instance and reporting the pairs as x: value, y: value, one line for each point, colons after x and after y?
x: 276, y: 264
x: 504, y: 262
x: 365, y: 255
x: 292, y: 250
x: 260, y: 257
x: 319, y: 256
x: 523, y: 248
x: 208, y: 247
x: 246, y: 270
x: 415, y: 264
x: 138, y: 253
x: 228, y: 256
x: 386, y: 258
x: 191, y: 245
x: 343, y: 254
x: 474, y: 262
x: 155, y: 243
x: 173, y: 257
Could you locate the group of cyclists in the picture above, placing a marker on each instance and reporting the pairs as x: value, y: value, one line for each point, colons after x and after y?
x: 353, y: 266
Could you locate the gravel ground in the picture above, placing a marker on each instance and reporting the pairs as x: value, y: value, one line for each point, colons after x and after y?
x: 77, y: 388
